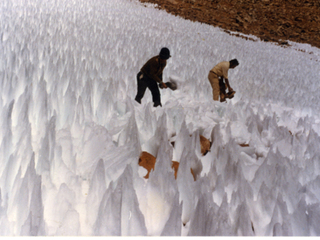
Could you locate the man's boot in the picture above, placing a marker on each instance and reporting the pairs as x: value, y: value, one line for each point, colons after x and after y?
x: 138, y: 100
x: 156, y: 104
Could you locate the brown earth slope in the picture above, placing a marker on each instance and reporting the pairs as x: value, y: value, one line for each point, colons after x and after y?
x: 270, y: 20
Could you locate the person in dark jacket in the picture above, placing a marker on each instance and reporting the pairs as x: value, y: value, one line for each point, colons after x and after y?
x: 150, y: 76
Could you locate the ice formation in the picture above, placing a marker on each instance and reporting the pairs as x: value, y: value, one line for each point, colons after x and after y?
x: 71, y: 132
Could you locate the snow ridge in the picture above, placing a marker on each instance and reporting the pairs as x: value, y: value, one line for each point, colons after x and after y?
x: 71, y: 132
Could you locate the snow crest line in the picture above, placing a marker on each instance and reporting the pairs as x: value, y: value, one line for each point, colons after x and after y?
x: 71, y: 133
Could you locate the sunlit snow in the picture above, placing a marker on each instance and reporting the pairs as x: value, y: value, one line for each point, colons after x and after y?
x: 71, y: 133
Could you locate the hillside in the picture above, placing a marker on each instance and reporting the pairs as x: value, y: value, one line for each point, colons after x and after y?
x: 275, y: 21
x: 72, y: 134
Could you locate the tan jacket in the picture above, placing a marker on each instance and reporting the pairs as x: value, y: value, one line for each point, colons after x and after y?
x: 153, y: 69
x: 221, y: 69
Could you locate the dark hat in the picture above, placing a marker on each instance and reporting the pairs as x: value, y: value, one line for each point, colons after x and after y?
x: 164, y: 53
x: 234, y: 62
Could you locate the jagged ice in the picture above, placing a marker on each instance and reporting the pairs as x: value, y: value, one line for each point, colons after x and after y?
x: 71, y: 133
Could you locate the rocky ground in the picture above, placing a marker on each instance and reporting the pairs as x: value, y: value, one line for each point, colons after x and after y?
x: 270, y: 20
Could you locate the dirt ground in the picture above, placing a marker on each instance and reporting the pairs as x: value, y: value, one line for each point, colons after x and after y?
x: 270, y: 20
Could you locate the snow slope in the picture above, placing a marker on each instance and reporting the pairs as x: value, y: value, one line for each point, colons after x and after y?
x: 71, y: 132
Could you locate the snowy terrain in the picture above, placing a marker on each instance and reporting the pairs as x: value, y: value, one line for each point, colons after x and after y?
x: 71, y: 133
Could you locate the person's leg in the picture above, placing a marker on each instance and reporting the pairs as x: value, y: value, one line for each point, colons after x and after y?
x: 153, y: 86
x: 142, y: 86
x: 214, y: 81
x: 222, y: 87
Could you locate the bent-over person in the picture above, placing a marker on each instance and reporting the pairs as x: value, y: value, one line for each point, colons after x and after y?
x: 218, y: 78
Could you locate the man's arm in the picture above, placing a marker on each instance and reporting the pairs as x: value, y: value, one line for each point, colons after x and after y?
x: 157, y: 79
x: 152, y: 74
x: 150, y: 69
x: 228, y: 85
x: 162, y: 85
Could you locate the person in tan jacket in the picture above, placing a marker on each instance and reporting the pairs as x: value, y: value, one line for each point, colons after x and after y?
x: 151, y: 74
x: 216, y: 77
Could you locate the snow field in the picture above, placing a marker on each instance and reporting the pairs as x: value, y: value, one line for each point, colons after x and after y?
x: 71, y: 132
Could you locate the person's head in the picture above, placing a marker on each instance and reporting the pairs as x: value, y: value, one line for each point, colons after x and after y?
x: 164, y: 53
x: 233, y: 63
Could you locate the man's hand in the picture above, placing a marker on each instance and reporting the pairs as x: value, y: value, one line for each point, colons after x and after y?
x: 230, y: 89
x: 162, y: 85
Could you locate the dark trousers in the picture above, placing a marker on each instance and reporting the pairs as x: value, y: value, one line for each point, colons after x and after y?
x: 223, y: 87
x: 143, y: 83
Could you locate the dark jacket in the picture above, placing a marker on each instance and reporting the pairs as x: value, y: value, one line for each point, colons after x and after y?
x: 153, y: 69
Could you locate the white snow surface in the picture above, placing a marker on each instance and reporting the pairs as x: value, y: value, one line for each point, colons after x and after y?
x: 71, y: 133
